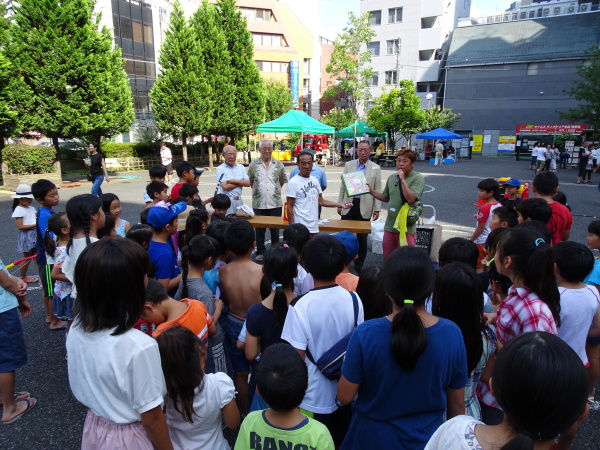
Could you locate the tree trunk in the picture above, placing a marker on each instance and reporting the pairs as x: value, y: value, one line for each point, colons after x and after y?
x: 249, y: 149
x: 210, y: 154
x: 184, y: 147
x: 57, y: 167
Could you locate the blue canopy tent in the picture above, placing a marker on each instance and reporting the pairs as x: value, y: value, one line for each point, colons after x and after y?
x: 439, y: 133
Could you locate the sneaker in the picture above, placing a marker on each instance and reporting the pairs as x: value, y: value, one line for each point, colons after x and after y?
x: 259, y: 258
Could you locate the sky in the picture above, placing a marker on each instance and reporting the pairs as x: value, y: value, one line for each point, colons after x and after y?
x: 328, y: 17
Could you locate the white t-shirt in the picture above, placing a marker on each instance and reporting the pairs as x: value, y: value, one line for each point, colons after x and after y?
x: 318, y: 321
x: 541, y: 154
x: 306, y: 207
x: 534, y: 152
x: 68, y: 267
x: 456, y: 434
x: 146, y: 197
x: 303, y: 282
x: 117, y: 377
x: 166, y: 156
x: 206, y: 431
x: 577, y: 309
x: 28, y: 215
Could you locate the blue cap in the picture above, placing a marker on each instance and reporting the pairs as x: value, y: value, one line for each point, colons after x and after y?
x: 350, y: 243
x: 198, y: 171
x: 162, y: 213
x: 511, y: 182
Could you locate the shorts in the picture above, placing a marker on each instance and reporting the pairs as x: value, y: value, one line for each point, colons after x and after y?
x: 238, y: 357
x: 45, y: 271
x: 26, y: 240
x: 482, y: 255
x: 13, y: 353
x: 101, y: 433
x: 169, y: 168
x: 62, y: 308
x: 540, y: 163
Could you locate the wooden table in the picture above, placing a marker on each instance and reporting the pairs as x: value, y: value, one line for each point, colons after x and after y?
x: 335, y: 225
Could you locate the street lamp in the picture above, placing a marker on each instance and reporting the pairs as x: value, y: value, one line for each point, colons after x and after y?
x: 429, y: 97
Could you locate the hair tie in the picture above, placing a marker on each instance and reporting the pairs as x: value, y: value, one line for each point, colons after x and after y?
x: 539, y: 241
x: 286, y: 246
x: 275, y: 285
x: 529, y: 434
x: 409, y: 301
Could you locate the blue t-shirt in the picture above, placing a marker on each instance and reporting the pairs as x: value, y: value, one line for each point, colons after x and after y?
x: 316, y: 172
x: 43, y: 215
x: 395, y: 408
x: 8, y: 300
x: 594, y: 277
x: 261, y: 324
x: 165, y: 262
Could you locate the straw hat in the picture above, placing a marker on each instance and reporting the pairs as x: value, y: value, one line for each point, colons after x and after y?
x: 23, y: 191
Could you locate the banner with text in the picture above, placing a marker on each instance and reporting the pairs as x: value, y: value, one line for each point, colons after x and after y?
x: 551, y: 129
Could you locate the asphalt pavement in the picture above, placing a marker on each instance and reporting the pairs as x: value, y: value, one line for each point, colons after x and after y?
x: 57, y: 420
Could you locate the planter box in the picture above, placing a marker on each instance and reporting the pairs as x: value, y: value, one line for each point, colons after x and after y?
x: 12, y: 181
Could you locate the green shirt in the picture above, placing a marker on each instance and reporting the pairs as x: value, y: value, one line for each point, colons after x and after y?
x: 416, y: 183
x: 256, y: 433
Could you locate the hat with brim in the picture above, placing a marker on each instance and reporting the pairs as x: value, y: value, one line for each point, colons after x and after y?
x: 162, y: 213
x: 182, y: 218
x: 23, y: 191
x: 511, y: 182
x: 198, y: 171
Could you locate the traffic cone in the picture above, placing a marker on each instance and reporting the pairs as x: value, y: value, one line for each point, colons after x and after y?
x: 525, y: 193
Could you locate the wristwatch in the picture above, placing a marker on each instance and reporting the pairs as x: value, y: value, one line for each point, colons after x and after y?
x: 338, y: 403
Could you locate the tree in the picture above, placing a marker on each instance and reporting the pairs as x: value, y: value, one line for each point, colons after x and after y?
x: 436, y: 117
x: 180, y: 94
x: 278, y: 99
x: 249, y: 97
x: 218, y: 71
x: 586, y: 91
x: 68, y: 80
x: 349, y: 65
x: 397, y: 111
x: 338, y: 118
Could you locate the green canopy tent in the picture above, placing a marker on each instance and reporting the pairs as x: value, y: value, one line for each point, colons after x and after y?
x: 359, y: 128
x: 295, y: 121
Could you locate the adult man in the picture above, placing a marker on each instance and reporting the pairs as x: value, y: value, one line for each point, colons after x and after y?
x: 363, y: 206
x: 304, y: 196
x: 231, y: 178
x: 267, y: 176
x: 316, y: 172
x: 167, y: 160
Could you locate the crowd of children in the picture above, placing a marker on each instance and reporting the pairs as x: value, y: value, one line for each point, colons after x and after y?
x: 500, y: 347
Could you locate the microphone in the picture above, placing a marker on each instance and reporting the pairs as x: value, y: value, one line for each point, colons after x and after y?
x: 397, y: 179
x: 219, y: 184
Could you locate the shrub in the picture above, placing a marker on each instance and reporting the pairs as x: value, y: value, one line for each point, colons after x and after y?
x: 127, y: 149
x: 28, y: 159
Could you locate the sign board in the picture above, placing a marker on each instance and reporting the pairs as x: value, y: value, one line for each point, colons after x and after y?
x: 477, y: 143
x: 507, y: 143
x: 551, y: 129
x: 573, y: 153
x: 295, y: 82
x: 487, y: 138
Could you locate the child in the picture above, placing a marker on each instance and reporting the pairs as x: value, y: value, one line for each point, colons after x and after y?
x: 106, y: 354
x: 240, y: 282
x: 370, y: 290
x: 158, y: 192
x: 156, y: 172
x: 86, y: 218
x: 545, y: 186
x: 511, y: 188
x: 534, y: 209
x: 166, y: 158
x: 192, y: 196
x: 198, y: 256
x: 186, y: 172
x: 296, y: 235
x: 346, y: 279
x: 196, y: 403
x: 593, y: 242
x: 24, y: 215
x: 504, y: 216
x: 217, y: 231
x: 561, y: 198
x: 541, y: 386
x: 195, y: 224
x: 592, y: 346
x: 220, y: 204
x: 108, y: 231
x: 46, y: 194
x: 487, y: 191
x: 13, y: 353
x: 282, y: 423
x: 62, y: 302
x: 162, y: 217
x: 330, y: 311
x: 111, y: 205
x: 140, y: 233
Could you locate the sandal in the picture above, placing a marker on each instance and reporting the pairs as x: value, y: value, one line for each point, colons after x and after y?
x: 31, y: 402
x: 20, y: 396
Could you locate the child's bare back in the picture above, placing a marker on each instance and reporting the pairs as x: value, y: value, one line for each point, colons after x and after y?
x: 240, y: 284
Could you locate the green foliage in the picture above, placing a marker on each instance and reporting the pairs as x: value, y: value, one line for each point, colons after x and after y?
x: 181, y: 92
x: 69, y: 79
x: 278, y: 99
x: 436, y: 117
x: 560, y: 140
x: 127, y: 149
x: 7, y: 114
x: 248, y: 107
x: 587, y: 92
x: 349, y: 66
x: 242, y: 143
x: 338, y: 118
x: 148, y: 134
x: 397, y: 111
x: 28, y: 159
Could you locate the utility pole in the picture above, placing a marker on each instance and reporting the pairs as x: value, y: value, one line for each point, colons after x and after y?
x: 398, y: 64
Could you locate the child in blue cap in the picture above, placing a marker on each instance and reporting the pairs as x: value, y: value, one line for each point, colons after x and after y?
x: 511, y: 187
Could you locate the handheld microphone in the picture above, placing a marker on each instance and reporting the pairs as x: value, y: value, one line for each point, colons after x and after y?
x: 397, y: 179
x: 219, y: 184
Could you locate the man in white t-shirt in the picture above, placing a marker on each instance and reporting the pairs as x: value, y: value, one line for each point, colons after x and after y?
x: 317, y: 321
x: 166, y: 160
x: 304, y: 196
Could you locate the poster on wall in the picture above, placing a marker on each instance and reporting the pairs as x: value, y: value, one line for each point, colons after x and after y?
x: 477, y: 143
x: 507, y: 143
x: 487, y: 138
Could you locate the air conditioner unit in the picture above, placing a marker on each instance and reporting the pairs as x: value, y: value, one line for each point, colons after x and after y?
x: 571, y: 9
x: 585, y: 7
x: 546, y: 12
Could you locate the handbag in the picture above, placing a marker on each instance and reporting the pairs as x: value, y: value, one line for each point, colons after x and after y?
x: 89, y: 177
x: 330, y: 362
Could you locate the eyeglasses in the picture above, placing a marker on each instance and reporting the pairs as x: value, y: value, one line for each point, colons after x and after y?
x: 266, y: 148
x: 230, y: 154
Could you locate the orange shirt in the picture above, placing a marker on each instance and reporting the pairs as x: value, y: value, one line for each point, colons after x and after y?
x: 347, y: 280
x: 195, y: 318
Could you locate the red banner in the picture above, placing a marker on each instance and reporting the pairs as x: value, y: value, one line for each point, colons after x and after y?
x: 551, y: 129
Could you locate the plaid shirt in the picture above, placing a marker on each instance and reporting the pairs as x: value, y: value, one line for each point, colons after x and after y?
x: 520, y: 312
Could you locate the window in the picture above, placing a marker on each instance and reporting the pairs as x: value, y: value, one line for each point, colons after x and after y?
x: 273, y: 66
x: 306, y: 83
x: 539, y: 12
x: 532, y: 68
x: 391, y: 77
x: 369, y: 105
x: 393, y: 47
x: 374, y: 79
x: 428, y: 22
x: 532, y: 14
x: 395, y: 15
x: 306, y: 65
x: 269, y: 40
x: 257, y: 14
x: 422, y: 87
x: 523, y: 15
x: 374, y: 47
x: 515, y: 16
x: 137, y: 32
x: 426, y: 55
x: 375, y: 18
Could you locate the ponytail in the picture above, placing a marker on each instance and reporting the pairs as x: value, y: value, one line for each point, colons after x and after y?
x: 280, y: 267
x: 408, y: 280
x: 196, y: 252
x: 56, y: 223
